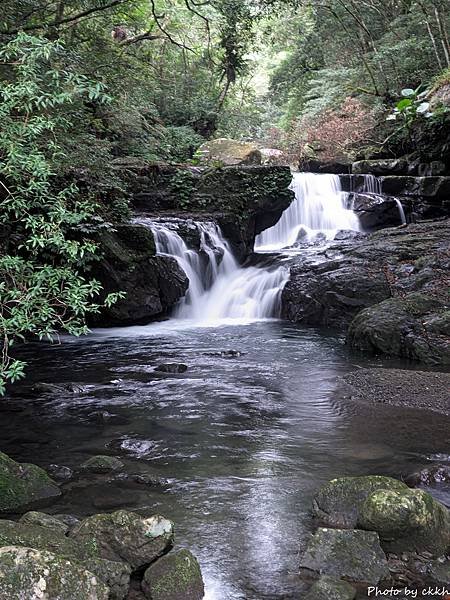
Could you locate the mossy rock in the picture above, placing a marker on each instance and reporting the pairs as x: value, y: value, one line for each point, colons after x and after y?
x: 330, y: 588
x: 352, y: 555
x: 176, y: 576
x: 23, y: 485
x: 102, y: 464
x: 407, y: 520
x: 229, y: 152
x: 26, y: 573
x: 43, y: 520
x: 337, y: 503
x: 125, y: 536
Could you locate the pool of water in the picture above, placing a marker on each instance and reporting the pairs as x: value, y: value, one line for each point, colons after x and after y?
x: 241, y: 443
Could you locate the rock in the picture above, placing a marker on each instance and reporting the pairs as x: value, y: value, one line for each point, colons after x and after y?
x: 338, y: 502
x: 375, y: 212
x: 152, y: 284
x: 116, y: 575
x: 399, y: 275
x: 22, y: 485
x: 330, y: 588
x: 171, y: 368
x: 60, y: 472
x: 229, y: 152
x: 432, y: 475
x: 176, y: 576
x: 317, y: 166
x: 30, y: 574
x: 272, y: 156
x: 102, y: 464
x: 69, y: 520
x: 44, y: 520
x: 382, y: 166
x: 440, y: 97
x: 414, y: 327
x: 58, y: 388
x: 125, y: 536
x: 44, y: 538
x: 407, y: 520
x: 439, y: 572
x: 348, y: 554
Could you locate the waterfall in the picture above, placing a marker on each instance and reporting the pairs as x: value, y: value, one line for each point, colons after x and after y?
x: 219, y: 288
x: 320, y: 205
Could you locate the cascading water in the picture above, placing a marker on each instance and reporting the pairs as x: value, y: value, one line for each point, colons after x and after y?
x: 219, y: 289
x: 320, y: 205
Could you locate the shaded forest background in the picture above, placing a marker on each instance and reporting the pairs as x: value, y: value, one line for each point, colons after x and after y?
x: 86, y: 84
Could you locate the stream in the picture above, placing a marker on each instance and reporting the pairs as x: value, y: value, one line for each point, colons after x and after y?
x: 233, y: 449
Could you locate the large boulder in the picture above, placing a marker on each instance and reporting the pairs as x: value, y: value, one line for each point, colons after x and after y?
x: 44, y: 520
x: 101, y: 464
x: 125, y: 536
x: 331, y: 588
x: 23, y: 484
x: 338, y: 502
x: 381, y: 166
x: 29, y: 574
x: 229, y: 152
x: 376, y: 212
x: 176, y: 576
x: 407, y: 520
x: 152, y: 284
x: 415, y: 326
x: 352, y: 555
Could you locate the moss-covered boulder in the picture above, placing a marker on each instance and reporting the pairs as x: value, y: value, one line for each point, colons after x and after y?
x: 407, y: 520
x: 415, y: 326
x: 338, y: 502
x: 176, y: 576
x: 44, y: 520
x: 229, y: 152
x: 331, y: 588
x: 102, y: 464
x: 22, y: 485
x: 125, y: 536
x: 116, y: 575
x: 352, y: 555
x: 29, y: 574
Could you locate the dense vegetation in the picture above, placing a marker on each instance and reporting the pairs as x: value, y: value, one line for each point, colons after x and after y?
x: 84, y: 84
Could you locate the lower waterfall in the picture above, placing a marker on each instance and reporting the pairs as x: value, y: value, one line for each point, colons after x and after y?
x: 219, y: 288
x: 320, y: 206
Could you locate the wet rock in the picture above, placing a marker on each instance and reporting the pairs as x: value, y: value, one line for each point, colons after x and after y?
x: 407, y: 520
x: 44, y: 520
x: 439, y: 571
x: 176, y: 576
x: 102, y: 464
x: 171, y: 368
x: 338, y: 502
x: 348, y: 554
x: 375, y: 212
x: 318, y: 166
x: 58, y: 388
x: 29, y: 573
x: 146, y: 479
x: 383, y: 166
x: 414, y: 327
x: 229, y: 152
x: 69, y: 520
x: 330, y: 588
x: 226, y: 354
x: 429, y: 476
x: 152, y: 284
x: 125, y: 536
x: 22, y: 485
x: 60, y: 472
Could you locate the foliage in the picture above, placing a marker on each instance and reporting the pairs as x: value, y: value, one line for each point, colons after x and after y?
x: 42, y: 289
x: 413, y: 105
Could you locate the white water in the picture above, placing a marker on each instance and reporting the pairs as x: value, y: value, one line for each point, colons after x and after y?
x: 219, y: 289
x: 319, y: 206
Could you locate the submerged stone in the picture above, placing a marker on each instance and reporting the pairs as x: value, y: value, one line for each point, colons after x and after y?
x: 407, y: 520
x: 22, y: 485
x: 176, y: 576
x: 348, y: 554
x: 29, y: 574
x: 330, y: 588
x: 102, y: 464
x: 125, y: 536
x: 337, y: 503
x: 172, y: 368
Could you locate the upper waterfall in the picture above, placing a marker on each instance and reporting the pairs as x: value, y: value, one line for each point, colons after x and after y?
x: 320, y: 205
